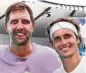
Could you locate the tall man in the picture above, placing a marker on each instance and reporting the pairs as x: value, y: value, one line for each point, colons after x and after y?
x: 23, y: 55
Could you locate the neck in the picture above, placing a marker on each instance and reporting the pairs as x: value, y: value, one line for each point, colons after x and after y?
x: 22, y: 51
x: 71, y: 63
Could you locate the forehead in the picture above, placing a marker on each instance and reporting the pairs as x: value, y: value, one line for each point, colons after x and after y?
x: 19, y: 14
x: 61, y: 32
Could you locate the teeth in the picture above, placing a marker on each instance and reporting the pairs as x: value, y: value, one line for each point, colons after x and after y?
x: 20, y: 34
x: 64, y: 48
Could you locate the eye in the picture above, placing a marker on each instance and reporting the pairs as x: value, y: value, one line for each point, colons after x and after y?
x: 25, y: 21
x: 15, y: 21
x: 57, y: 38
x: 67, y: 36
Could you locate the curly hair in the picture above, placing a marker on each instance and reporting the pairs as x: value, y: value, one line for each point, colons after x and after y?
x: 74, y: 21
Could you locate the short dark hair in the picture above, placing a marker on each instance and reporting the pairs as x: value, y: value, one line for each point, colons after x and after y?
x: 74, y: 21
x: 18, y: 6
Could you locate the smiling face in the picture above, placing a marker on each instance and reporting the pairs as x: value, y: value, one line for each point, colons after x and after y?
x: 19, y: 27
x: 65, y: 42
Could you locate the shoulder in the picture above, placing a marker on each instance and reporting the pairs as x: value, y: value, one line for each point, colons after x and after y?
x: 45, y: 49
x: 47, y: 53
x: 46, y: 56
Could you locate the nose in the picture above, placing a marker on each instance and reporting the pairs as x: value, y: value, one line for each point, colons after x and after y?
x: 63, y: 41
x: 19, y: 25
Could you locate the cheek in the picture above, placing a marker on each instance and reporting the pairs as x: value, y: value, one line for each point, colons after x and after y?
x: 30, y: 29
x: 55, y: 45
x: 73, y: 41
x: 10, y: 29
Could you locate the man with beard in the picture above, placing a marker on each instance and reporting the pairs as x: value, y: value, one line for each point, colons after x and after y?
x: 64, y: 35
x: 23, y: 55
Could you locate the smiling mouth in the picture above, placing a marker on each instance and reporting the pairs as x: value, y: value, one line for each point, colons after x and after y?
x: 63, y: 49
x: 20, y: 34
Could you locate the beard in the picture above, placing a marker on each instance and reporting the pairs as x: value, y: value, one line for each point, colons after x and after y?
x: 22, y: 42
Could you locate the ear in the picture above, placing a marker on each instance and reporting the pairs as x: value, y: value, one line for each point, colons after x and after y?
x: 6, y: 28
x: 33, y: 26
x: 78, y: 40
